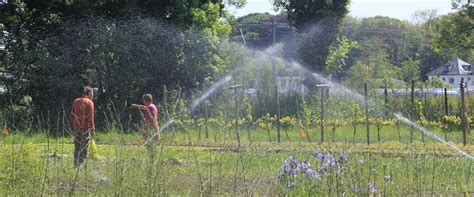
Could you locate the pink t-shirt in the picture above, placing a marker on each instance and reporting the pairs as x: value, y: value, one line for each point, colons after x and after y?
x: 152, y: 112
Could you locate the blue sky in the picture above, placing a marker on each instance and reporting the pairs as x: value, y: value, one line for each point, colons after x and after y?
x: 401, y: 9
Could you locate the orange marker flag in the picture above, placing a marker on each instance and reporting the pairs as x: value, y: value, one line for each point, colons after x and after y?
x: 301, y: 133
x: 5, y: 132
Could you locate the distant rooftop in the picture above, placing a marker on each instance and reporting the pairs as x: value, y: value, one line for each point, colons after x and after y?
x: 455, y: 67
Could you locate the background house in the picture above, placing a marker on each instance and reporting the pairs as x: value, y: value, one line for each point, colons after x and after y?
x: 453, y: 72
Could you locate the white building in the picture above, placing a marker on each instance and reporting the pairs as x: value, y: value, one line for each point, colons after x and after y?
x: 453, y: 72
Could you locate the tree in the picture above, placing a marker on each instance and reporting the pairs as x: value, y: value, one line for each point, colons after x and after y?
x: 125, y: 49
x: 455, y: 33
x: 437, y: 82
x: 318, y: 21
x: 410, y: 70
x: 338, y: 55
x: 256, y: 29
x: 359, y: 74
x: 372, y: 67
x: 390, y: 32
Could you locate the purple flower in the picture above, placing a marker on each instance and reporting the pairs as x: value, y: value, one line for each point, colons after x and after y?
x: 387, y: 179
x: 332, y: 162
x: 305, y: 165
x: 317, y: 176
x: 343, y: 156
x: 322, y: 157
x: 309, y: 173
x: 357, y: 188
x: 291, y: 184
x: 372, y: 188
x: 324, y: 167
x: 361, y: 162
x: 295, y: 173
x: 316, y: 154
x: 373, y: 169
x: 286, y: 167
x: 293, y: 160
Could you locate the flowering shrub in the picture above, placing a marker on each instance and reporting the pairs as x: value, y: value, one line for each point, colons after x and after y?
x: 327, y: 166
x: 327, y: 171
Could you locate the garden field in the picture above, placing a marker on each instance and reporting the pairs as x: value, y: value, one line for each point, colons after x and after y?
x: 306, y: 99
x: 190, y: 164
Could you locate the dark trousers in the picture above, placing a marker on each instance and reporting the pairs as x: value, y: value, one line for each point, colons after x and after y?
x: 81, y: 142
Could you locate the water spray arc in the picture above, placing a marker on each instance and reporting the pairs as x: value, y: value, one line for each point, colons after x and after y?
x: 429, y: 133
x: 347, y: 91
x: 270, y: 53
x: 211, y: 90
x: 197, y: 102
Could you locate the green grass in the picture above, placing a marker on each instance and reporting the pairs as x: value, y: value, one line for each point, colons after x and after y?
x: 189, y: 165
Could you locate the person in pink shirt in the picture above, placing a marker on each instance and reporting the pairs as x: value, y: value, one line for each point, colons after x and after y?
x: 150, y: 114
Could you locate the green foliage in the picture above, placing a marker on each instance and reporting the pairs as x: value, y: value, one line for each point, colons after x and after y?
x: 302, y: 13
x: 248, y: 119
x: 20, y: 168
x: 410, y: 70
x: 437, y: 82
x: 257, y: 34
x: 304, y: 115
x: 288, y: 122
x: 336, y: 60
x: 455, y: 33
x: 266, y: 122
x: 207, y: 18
x: 318, y: 21
x: 402, y: 41
x: 124, y: 49
x: 359, y: 74
x: 374, y: 68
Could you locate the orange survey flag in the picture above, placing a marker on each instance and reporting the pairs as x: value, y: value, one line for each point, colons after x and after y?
x: 5, y: 132
x: 301, y: 133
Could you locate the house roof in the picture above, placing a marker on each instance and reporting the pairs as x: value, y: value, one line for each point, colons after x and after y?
x: 455, y: 67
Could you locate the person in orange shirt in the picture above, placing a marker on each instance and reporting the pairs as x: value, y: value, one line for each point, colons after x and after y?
x: 82, y: 118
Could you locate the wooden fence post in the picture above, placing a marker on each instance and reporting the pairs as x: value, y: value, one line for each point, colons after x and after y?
x: 465, y: 126
x: 413, y: 110
x: 165, y: 105
x: 278, y: 112
x: 321, y: 117
x: 237, y: 113
x: 366, y: 102
x: 207, y: 118
x: 446, y: 112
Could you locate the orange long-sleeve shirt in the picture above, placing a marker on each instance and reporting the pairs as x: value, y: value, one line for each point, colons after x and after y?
x: 82, y: 114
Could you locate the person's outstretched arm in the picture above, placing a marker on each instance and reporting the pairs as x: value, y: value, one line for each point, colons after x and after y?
x: 140, y: 107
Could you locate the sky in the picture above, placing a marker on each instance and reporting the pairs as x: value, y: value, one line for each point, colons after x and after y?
x: 400, y: 9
